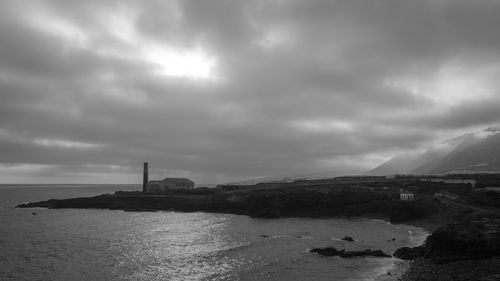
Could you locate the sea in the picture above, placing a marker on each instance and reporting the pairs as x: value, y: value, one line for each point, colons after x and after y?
x: 87, y: 244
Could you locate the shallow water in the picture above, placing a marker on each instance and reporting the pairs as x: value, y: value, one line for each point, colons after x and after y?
x: 74, y: 244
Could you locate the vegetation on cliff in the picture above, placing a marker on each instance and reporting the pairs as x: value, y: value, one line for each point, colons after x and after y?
x: 262, y: 203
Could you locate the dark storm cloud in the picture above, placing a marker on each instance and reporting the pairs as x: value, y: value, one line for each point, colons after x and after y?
x: 225, y: 90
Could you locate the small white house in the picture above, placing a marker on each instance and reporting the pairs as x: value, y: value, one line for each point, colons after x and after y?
x: 406, y: 195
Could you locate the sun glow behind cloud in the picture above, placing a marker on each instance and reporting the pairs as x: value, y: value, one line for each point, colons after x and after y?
x: 166, y: 58
x: 124, y: 41
x: 193, y: 64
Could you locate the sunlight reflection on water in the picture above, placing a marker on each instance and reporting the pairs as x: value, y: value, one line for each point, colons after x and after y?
x: 115, y: 245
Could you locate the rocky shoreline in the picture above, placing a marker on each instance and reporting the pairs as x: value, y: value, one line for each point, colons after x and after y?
x: 465, y: 250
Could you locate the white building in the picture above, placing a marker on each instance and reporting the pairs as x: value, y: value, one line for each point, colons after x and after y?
x: 406, y: 196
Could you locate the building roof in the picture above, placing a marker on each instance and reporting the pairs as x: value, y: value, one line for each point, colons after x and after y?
x: 177, y: 180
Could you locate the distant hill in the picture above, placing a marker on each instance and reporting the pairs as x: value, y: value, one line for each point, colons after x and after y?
x: 456, y: 145
x: 406, y: 163
x: 473, y: 152
x: 479, y: 156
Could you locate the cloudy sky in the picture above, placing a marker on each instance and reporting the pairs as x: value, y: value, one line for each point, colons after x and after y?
x: 228, y: 90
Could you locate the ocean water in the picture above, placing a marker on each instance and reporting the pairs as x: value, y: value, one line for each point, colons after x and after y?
x: 76, y: 244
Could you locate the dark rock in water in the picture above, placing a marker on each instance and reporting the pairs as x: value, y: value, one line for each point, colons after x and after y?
x: 264, y: 236
x: 33, y: 214
x: 373, y: 253
x: 331, y: 251
x: 407, y: 253
x: 348, y: 238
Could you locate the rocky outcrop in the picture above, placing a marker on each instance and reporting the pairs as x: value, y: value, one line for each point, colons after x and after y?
x: 474, y: 238
x: 348, y: 239
x: 331, y: 251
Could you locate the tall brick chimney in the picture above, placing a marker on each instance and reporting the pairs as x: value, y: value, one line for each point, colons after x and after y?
x: 145, y: 177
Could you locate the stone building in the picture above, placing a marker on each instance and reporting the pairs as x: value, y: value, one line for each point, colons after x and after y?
x: 169, y: 184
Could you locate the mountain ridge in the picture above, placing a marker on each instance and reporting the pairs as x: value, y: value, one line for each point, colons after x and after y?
x: 471, y: 152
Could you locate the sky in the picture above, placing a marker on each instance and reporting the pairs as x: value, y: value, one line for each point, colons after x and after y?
x: 227, y: 90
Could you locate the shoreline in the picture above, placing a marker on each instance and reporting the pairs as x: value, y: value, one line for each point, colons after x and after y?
x: 393, y: 272
x: 399, y: 267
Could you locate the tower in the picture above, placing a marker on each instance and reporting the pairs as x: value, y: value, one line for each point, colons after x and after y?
x: 145, y: 177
